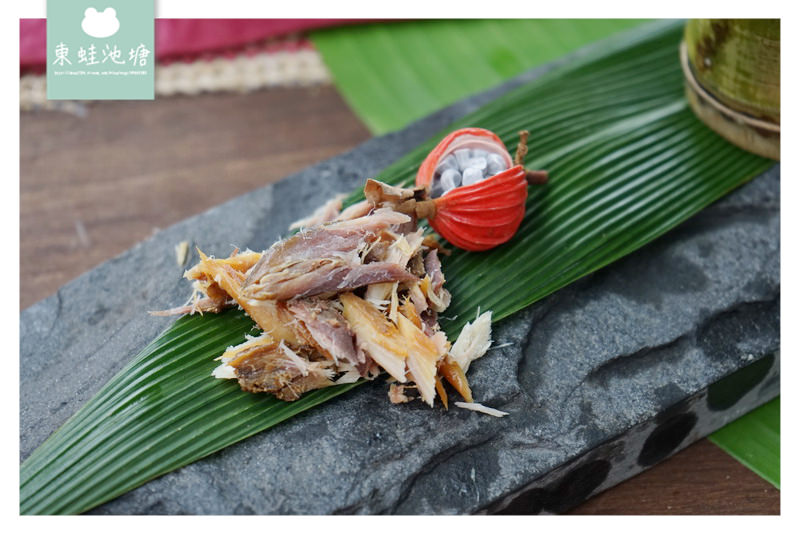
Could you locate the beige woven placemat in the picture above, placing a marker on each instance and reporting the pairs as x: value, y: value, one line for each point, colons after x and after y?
x: 247, y: 71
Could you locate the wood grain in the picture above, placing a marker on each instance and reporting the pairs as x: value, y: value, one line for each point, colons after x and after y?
x: 92, y: 186
x: 700, y: 480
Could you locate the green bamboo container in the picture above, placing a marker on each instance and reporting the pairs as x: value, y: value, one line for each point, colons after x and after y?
x: 732, y: 71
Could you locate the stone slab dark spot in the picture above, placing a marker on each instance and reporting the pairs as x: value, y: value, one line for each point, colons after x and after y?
x: 726, y: 392
x: 562, y: 495
x: 577, y: 485
x: 666, y: 438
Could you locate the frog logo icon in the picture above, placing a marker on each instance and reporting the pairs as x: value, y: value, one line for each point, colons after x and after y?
x: 100, y: 25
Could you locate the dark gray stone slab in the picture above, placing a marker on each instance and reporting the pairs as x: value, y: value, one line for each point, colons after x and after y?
x: 602, y: 379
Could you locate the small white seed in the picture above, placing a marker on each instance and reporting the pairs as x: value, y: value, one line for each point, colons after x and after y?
x: 472, y: 175
x: 453, y: 175
x: 450, y: 179
x: 495, y: 164
x: 477, y: 162
x: 462, y: 156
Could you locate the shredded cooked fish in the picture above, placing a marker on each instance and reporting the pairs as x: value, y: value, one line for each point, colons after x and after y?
x: 474, y: 340
x: 352, y: 294
x: 325, y: 213
x: 181, y: 252
x: 481, y: 409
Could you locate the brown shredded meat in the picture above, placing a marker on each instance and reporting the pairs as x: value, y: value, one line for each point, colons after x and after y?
x: 271, y: 371
x: 337, y: 301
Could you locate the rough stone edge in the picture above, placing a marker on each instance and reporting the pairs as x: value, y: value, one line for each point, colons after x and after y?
x: 620, y: 458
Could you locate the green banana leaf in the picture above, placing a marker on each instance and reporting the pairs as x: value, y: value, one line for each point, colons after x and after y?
x: 425, y: 65
x: 628, y: 161
x: 421, y: 66
x: 755, y: 441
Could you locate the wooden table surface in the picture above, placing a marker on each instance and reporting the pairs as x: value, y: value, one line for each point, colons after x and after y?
x: 93, y: 185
